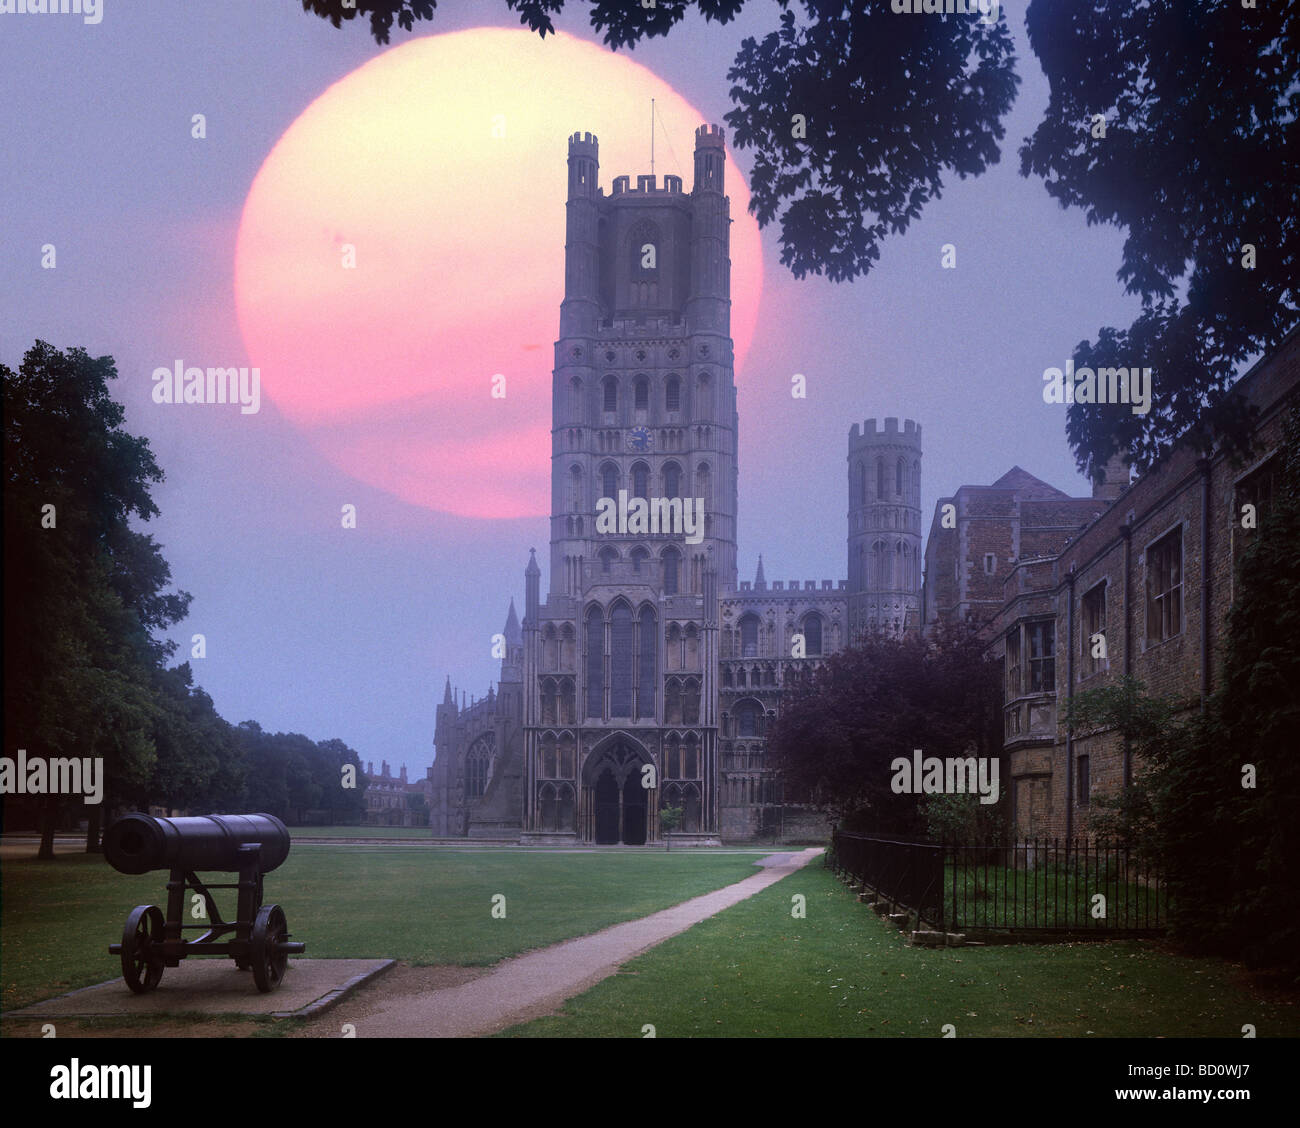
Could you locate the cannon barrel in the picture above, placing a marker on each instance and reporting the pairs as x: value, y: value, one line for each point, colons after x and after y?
x: 138, y: 843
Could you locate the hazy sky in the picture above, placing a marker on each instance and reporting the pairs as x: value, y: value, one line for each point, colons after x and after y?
x: 350, y: 633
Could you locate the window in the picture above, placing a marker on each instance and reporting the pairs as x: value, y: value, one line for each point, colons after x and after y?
x: 690, y: 702
x: 575, y: 488
x: 749, y: 636
x: 611, y: 394
x: 1042, y: 656
x: 690, y: 760
x: 812, y: 634
x: 476, y: 771
x: 648, y: 675
x: 1083, y: 784
x: 990, y: 563
x: 747, y: 719
x: 595, y: 663
x: 673, y: 394
x: 1094, y: 625
x: 1165, y: 588
x: 640, y: 475
x: 672, y: 480
x: 620, y: 661
x: 607, y: 557
x: 862, y: 483
x: 898, y: 478
x: 609, y: 481
x: 880, y: 478
x: 639, y: 554
x: 672, y: 569
x: 1013, y: 664
x: 1257, y: 490
x: 642, y: 394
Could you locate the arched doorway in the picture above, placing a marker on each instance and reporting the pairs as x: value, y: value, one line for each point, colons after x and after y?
x: 616, y: 803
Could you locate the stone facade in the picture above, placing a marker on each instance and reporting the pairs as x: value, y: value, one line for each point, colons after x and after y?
x: 647, y: 675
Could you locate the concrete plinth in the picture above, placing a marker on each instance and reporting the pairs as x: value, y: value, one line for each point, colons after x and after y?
x: 215, y: 986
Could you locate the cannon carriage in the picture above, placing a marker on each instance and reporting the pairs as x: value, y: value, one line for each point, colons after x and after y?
x: 251, y: 845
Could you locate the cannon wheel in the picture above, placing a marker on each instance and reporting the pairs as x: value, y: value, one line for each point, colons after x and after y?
x: 269, y: 930
x: 142, y: 962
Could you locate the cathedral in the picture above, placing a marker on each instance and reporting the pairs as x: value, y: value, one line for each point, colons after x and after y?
x: 646, y: 676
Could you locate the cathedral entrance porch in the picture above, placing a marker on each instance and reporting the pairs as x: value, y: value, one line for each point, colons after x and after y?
x: 616, y: 808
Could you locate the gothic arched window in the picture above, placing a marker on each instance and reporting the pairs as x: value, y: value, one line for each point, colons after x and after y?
x: 749, y: 636
x: 812, y: 633
x: 747, y: 718
x: 609, y: 481
x: 620, y: 661
x: 880, y: 476
x: 703, y: 396
x: 704, y: 483
x: 607, y: 557
x: 898, y: 478
x: 642, y: 393
x: 645, y: 695
x: 640, y: 477
x: 862, y: 482
x: 595, y: 663
x: 673, y: 394
x: 672, y: 480
x: 611, y: 394
x: 672, y: 570
x: 476, y: 770
x: 639, y: 555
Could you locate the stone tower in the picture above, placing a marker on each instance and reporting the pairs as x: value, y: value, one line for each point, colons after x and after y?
x: 643, y: 394
x: 884, y: 528
x: 620, y: 656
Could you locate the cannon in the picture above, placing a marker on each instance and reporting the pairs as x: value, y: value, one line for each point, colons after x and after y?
x: 252, y: 845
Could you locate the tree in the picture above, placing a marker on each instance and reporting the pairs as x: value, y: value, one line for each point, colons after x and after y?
x: 83, y: 589
x: 835, y: 739
x: 670, y: 818
x: 1197, y: 162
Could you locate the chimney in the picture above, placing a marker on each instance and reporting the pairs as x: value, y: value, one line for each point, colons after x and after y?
x: 1114, y: 479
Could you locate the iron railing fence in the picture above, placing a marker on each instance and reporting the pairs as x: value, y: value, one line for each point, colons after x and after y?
x: 1023, y: 886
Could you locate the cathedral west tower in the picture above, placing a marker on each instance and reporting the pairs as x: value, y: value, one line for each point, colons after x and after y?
x: 621, y: 660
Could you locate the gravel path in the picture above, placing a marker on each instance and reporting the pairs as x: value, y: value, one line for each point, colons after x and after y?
x: 536, y: 984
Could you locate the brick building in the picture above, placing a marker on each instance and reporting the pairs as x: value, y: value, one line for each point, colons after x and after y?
x: 1143, y: 589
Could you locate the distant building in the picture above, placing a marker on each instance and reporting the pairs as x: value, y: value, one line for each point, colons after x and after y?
x: 389, y: 798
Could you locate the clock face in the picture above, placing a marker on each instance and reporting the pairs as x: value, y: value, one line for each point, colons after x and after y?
x: 639, y: 438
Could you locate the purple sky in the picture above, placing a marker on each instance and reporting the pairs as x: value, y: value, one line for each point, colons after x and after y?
x: 352, y: 636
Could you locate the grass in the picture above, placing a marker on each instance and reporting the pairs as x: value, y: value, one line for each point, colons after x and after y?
x: 419, y: 904
x: 754, y: 971
x: 1046, y: 896
x: 297, y: 832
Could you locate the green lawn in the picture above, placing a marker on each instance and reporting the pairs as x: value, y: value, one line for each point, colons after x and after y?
x: 421, y: 904
x: 752, y: 971
x: 296, y: 832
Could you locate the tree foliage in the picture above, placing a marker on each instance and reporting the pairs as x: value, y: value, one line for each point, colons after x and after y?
x: 1200, y: 101
x: 84, y: 593
x: 836, y: 737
